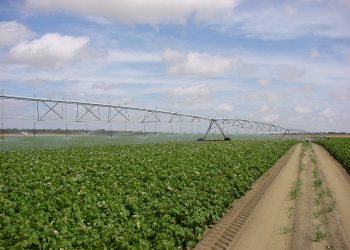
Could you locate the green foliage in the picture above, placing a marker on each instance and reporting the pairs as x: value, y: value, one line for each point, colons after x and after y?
x: 339, y: 148
x: 295, y: 190
x: 287, y: 229
x: 151, y: 196
x: 318, y: 234
x: 318, y: 183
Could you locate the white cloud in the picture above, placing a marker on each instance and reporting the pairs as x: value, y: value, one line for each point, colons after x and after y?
x: 273, y: 21
x: 39, y: 82
x: 265, y: 108
x: 328, y: 112
x: 52, y: 51
x: 308, y: 87
x: 201, y: 64
x: 271, y: 118
x: 312, y: 0
x: 131, y: 56
x: 314, y: 53
x: 103, y: 86
x: 291, y: 11
x: 122, y: 101
x: 13, y: 33
x: 264, y: 82
x: 190, y: 95
x: 140, y: 11
x: 341, y: 94
x: 247, y: 69
x: 345, y: 2
x: 290, y: 73
x: 303, y: 110
x: 225, y: 107
x: 275, y: 95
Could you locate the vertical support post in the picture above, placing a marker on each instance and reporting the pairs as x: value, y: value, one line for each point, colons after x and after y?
x: 172, y: 131
x: 2, y: 116
x: 125, y: 119
x: 110, y: 123
x: 86, y: 120
x: 191, y: 128
x: 155, y: 125
x: 144, y: 124
x: 65, y: 115
x: 34, y: 114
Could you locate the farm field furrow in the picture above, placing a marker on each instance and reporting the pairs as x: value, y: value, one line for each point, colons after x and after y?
x: 301, y: 203
x: 151, y: 196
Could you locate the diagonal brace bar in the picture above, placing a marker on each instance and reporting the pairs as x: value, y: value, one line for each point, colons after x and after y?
x: 88, y: 110
x: 50, y: 109
x: 118, y: 112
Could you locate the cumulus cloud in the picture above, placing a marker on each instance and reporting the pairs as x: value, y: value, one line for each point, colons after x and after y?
x: 247, y: 69
x: 190, y: 95
x: 341, y: 94
x: 290, y: 73
x: 271, y: 118
x: 225, y: 107
x: 122, y: 101
x: 314, y: 53
x: 272, y: 21
x: 131, y: 56
x: 201, y: 64
x: 291, y: 11
x: 52, y: 51
x: 264, y: 82
x: 140, y: 11
x: 265, y: 108
x: 13, y: 33
x: 270, y: 96
x: 308, y: 87
x: 39, y: 82
x: 328, y: 112
x: 303, y: 110
x: 104, y: 86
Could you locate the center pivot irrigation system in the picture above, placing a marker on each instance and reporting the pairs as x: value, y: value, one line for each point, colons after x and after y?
x: 52, y: 106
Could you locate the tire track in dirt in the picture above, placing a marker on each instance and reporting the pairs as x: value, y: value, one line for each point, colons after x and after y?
x: 267, y: 218
x: 338, y: 181
x: 226, y: 233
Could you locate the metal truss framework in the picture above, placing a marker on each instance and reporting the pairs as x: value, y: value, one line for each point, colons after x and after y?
x: 149, y: 115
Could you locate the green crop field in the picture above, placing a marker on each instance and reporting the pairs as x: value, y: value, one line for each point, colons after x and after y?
x: 147, y: 196
x: 60, y: 141
x: 339, y: 148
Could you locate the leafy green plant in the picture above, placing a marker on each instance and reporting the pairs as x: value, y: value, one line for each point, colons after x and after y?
x: 289, y: 211
x: 330, y: 207
x: 317, y: 202
x: 318, y: 183
x: 339, y: 148
x: 295, y: 190
x: 150, y: 196
x: 318, y: 234
x: 286, y: 229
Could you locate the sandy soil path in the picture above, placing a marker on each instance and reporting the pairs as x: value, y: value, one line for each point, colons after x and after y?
x: 338, y: 181
x: 286, y: 209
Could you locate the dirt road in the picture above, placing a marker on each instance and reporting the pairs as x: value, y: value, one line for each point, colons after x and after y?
x: 303, y: 202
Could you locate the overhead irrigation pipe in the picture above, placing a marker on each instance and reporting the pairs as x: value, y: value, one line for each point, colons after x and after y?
x: 109, y: 105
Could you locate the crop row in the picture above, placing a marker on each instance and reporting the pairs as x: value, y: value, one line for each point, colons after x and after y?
x: 339, y: 148
x: 154, y: 196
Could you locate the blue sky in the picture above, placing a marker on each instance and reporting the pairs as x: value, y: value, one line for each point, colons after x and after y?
x: 284, y: 62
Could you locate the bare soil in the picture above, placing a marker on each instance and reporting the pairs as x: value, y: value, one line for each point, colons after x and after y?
x: 303, y: 202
